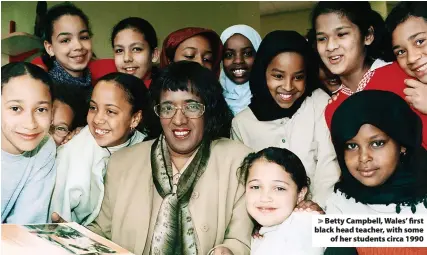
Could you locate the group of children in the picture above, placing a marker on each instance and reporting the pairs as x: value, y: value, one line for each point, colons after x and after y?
x: 360, y: 152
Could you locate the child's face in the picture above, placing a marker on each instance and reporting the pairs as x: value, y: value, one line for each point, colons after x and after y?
x: 239, y: 56
x: 26, y: 114
x: 63, y: 117
x: 371, y: 156
x: 285, y: 76
x: 410, y: 47
x: 71, y: 44
x: 271, y: 194
x: 132, y: 53
x: 340, y: 44
x: 331, y: 81
x: 196, y: 49
x: 110, y: 115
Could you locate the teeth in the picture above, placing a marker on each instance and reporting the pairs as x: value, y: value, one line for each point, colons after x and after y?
x: 101, y: 131
x: 422, y: 68
x: 239, y: 72
x: 335, y: 58
x: 181, y: 133
x: 285, y: 96
x: 130, y: 69
x: 266, y: 209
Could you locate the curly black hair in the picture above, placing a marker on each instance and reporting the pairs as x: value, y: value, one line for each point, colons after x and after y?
x: 192, y: 77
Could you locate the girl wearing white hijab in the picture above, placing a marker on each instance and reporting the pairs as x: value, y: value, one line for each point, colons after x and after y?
x: 240, y: 45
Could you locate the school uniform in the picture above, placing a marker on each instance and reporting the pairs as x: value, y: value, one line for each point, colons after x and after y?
x: 405, y: 190
x: 299, y: 128
x: 305, y: 134
x: 381, y: 76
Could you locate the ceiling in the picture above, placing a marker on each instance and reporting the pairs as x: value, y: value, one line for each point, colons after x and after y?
x: 271, y: 7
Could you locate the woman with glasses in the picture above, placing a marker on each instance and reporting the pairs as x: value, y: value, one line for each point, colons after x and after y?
x: 115, y: 111
x: 179, y: 193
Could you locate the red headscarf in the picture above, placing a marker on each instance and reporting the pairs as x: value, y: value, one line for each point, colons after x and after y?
x: 171, y: 43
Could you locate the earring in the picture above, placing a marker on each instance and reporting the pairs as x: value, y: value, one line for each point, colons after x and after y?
x: 402, y: 157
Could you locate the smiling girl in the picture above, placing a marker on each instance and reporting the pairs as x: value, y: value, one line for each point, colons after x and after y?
x: 276, y: 181
x: 27, y: 152
x: 286, y: 109
x: 68, y: 45
x: 407, y: 23
x: 134, y: 41
x: 68, y: 48
x: 351, y: 41
x: 115, y: 111
x: 194, y: 44
x: 382, y: 161
x: 240, y: 45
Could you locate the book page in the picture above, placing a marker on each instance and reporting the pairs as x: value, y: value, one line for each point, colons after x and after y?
x: 64, y: 238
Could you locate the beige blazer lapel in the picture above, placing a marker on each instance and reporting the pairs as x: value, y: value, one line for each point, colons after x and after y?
x: 136, y: 206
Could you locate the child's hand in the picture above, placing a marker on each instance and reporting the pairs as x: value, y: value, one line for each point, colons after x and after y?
x: 56, y: 218
x: 416, y: 94
x: 333, y: 98
x: 308, y: 206
x: 222, y: 251
x: 71, y: 135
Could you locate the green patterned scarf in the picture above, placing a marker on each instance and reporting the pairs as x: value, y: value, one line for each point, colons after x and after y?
x: 174, y: 231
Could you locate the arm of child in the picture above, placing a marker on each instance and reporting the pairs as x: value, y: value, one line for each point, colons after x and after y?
x: 327, y: 170
x: 65, y: 195
x: 416, y: 94
x: 103, y: 222
x: 32, y: 204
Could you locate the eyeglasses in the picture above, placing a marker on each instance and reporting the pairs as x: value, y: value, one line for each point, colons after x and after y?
x: 191, y: 110
x: 60, y: 130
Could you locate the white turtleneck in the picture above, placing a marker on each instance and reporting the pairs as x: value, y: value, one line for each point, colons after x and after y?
x: 292, y: 237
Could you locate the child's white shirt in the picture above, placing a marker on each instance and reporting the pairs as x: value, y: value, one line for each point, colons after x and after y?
x: 292, y: 237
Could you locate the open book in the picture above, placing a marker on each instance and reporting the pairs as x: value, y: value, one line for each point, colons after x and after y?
x: 58, y: 239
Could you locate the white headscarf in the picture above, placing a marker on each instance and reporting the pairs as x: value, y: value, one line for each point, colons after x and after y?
x: 238, y: 97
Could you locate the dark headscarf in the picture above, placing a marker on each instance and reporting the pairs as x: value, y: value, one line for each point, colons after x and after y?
x: 173, y: 40
x: 262, y: 104
x: 407, y: 186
